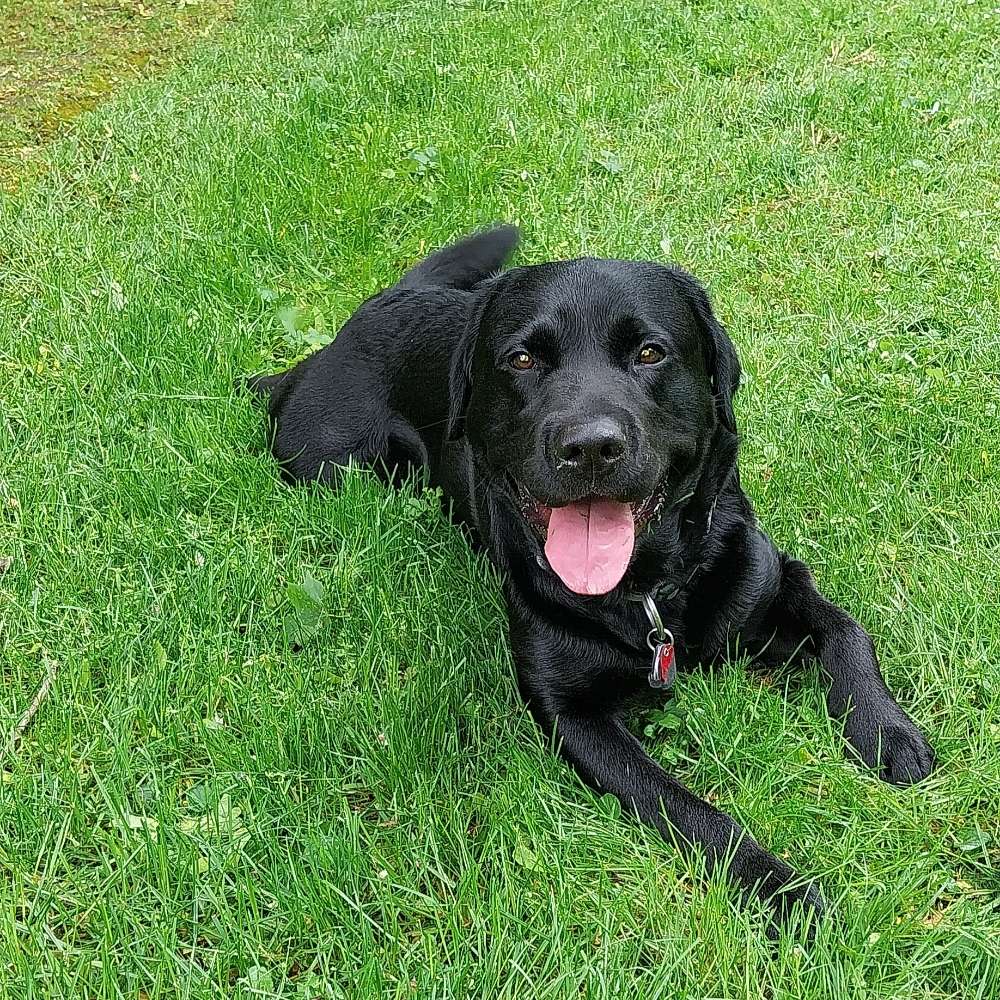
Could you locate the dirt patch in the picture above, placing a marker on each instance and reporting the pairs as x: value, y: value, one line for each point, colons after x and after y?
x: 59, y: 58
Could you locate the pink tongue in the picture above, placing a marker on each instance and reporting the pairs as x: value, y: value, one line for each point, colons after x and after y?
x: 589, y: 544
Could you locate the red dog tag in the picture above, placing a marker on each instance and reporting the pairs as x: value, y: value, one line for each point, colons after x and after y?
x: 661, y: 674
x: 661, y: 641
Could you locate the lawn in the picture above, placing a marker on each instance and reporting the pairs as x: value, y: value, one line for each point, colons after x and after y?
x: 59, y: 58
x: 278, y: 749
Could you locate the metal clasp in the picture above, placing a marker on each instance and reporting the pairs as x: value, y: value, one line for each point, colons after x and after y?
x: 661, y: 643
x: 659, y: 633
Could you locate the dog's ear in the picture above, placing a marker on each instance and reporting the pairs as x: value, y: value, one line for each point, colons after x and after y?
x: 460, y: 378
x: 720, y: 354
x: 460, y: 372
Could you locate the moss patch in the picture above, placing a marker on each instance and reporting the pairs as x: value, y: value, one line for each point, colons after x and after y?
x: 61, y: 57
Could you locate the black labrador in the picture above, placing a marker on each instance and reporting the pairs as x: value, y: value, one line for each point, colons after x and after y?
x: 578, y: 417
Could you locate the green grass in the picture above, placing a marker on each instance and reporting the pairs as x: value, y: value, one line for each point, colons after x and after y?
x: 59, y: 58
x: 196, y: 810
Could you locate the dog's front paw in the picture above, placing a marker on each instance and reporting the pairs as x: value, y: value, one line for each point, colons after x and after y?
x: 797, y: 906
x: 790, y: 902
x: 885, y: 738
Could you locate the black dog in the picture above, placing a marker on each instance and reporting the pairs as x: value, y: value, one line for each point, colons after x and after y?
x: 579, y: 419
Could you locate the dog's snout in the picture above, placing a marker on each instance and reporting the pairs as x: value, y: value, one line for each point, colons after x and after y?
x: 596, y: 445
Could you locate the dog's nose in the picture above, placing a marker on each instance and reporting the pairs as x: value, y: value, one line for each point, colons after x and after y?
x: 595, y: 445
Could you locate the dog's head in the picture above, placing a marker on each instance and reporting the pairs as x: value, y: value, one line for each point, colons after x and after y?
x: 591, y: 391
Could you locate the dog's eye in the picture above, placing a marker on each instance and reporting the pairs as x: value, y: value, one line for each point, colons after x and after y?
x: 522, y: 361
x: 650, y: 355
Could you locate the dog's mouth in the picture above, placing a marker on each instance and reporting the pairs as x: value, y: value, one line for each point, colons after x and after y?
x: 589, y: 542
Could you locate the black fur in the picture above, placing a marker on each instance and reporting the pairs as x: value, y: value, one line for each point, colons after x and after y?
x: 421, y: 376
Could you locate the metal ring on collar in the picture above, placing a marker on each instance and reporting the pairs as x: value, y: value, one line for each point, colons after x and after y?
x: 656, y: 639
x: 653, y: 614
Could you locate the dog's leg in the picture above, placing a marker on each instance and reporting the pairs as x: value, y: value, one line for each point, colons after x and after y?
x: 610, y: 759
x: 802, y: 623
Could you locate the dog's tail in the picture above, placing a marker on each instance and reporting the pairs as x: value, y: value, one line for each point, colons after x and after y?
x: 463, y: 264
